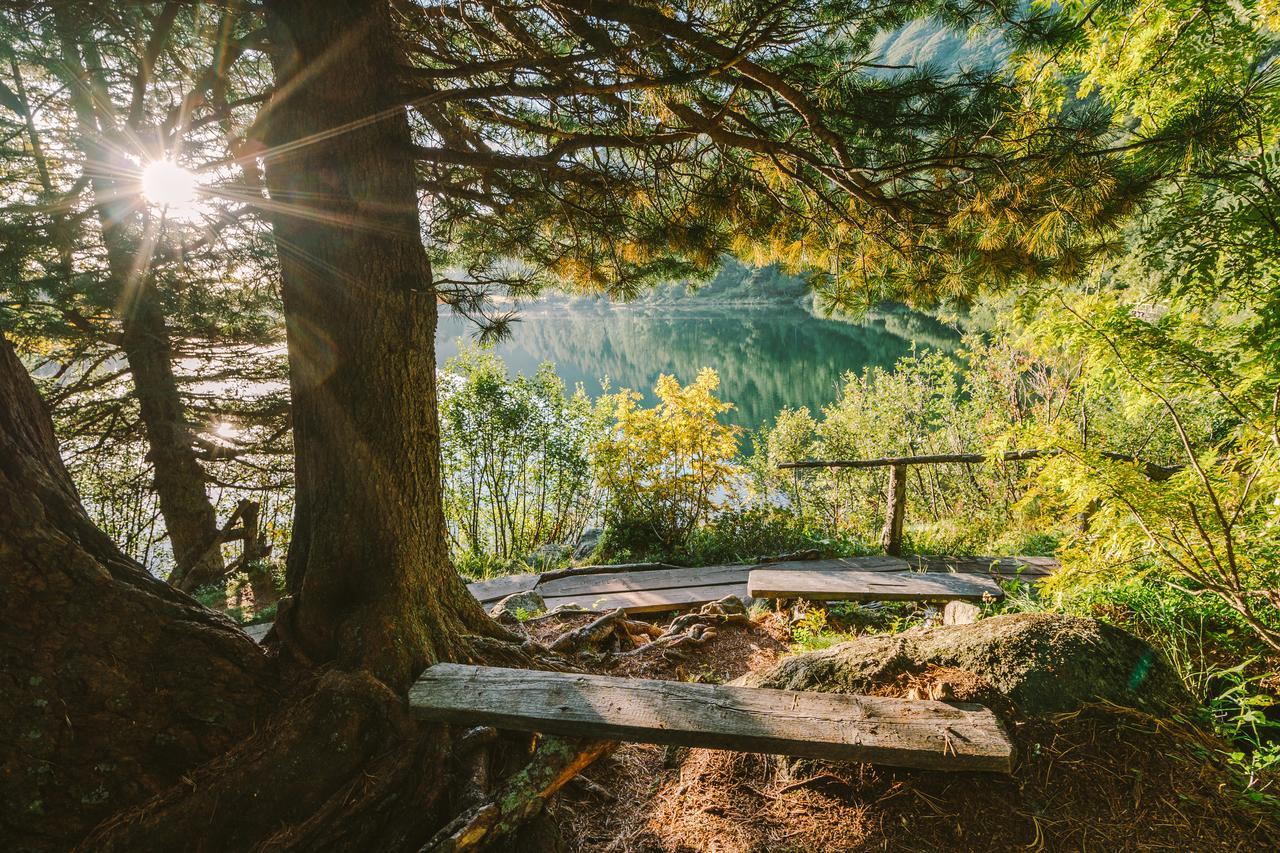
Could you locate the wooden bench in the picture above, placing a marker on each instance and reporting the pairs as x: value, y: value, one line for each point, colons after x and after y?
x: 844, y: 585
x: 899, y: 732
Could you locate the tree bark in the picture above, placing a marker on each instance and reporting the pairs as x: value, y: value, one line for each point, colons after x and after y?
x: 189, y: 517
x: 133, y: 714
x: 369, y: 578
x: 112, y: 684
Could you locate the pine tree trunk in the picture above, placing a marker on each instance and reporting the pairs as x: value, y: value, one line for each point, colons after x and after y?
x: 368, y: 567
x: 189, y: 517
x: 112, y: 684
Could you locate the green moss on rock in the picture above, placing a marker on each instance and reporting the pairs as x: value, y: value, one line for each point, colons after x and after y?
x: 1044, y: 663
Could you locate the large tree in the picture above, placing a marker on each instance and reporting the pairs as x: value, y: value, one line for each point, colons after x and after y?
x: 598, y: 143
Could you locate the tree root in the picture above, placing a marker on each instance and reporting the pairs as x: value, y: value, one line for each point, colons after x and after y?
x: 347, y: 768
x: 693, y: 629
x: 344, y: 768
x: 555, y: 761
x: 588, y: 635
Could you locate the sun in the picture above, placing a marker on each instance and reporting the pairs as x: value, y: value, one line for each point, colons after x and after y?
x: 169, y: 186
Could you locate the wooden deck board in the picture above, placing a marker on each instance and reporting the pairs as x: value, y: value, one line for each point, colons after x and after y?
x: 632, y: 581
x: 871, y: 586
x: 653, y: 600
x: 833, y: 726
x: 672, y: 588
x: 496, y: 589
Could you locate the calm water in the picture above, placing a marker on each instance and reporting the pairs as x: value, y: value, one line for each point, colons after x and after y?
x: 767, y: 357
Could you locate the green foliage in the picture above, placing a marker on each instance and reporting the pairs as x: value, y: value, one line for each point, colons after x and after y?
x: 1182, y: 326
x: 811, y: 632
x: 517, y: 469
x: 478, y: 567
x: 741, y: 534
x: 1239, y: 715
x: 668, y: 468
x: 928, y: 404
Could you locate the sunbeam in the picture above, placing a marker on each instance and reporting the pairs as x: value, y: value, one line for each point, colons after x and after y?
x: 172, y: 188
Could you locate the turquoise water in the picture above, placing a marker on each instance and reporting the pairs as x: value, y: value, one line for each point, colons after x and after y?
x: 768, y: 357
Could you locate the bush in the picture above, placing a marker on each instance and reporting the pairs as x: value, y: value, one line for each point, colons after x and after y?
x: 667, y: 469
x: 927, y: 404
x: 516, y: 454
x: 741, y: 535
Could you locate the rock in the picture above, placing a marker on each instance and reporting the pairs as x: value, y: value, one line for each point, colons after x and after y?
x: 587, y: 543
x: 548, y: 555
x: 726, y: 606
x: 961, y: 613
x: 567, y: 609
x: 1043, y: 663
x: 518, y: 607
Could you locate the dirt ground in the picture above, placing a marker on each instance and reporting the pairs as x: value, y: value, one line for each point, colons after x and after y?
x: 1104, y: 778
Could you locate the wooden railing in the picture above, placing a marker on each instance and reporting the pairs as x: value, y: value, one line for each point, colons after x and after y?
x: 896, y: 489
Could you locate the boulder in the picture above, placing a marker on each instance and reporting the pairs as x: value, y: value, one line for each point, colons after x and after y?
x: 587, y: 543
x: 567, y: 610
x: 548, y: 555
x: 961, y: 613
x: 518, y: 606
x: 1043, y: 663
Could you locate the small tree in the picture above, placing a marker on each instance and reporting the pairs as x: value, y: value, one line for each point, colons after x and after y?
x: 517, y: 470
x: 668, y: 468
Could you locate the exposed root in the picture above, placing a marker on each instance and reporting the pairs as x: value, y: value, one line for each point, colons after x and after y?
x: 693, y: 629
x: 555, y: 761
x: 343, y: 768
x: 588, y: 635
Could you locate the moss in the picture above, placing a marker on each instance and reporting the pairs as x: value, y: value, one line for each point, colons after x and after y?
x: 1044, y: 663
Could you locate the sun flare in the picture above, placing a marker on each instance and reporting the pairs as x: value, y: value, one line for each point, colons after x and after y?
x: 167, y: 185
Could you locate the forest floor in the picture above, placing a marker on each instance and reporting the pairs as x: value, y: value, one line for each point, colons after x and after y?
x: 1101, y: 778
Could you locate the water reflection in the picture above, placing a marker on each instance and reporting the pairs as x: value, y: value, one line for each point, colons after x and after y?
x: 767, y: 357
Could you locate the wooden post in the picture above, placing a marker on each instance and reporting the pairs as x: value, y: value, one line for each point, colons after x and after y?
x: 895, y: 510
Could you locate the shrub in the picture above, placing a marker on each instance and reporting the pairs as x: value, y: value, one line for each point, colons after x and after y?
x: 667, y: 469
x: 743, y: 534
x: 927, y: 404
x: 516, y: 457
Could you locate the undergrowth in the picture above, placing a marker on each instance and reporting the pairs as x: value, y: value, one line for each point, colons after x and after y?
x: 1219, y: 660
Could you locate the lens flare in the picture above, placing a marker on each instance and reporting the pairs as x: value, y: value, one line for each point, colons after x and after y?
x: 176, y: 190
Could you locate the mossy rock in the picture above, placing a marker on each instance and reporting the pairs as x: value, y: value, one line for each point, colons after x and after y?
x: 1044, y: 663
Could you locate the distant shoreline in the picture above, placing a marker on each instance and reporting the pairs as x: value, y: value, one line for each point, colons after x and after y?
x: 681, y: 307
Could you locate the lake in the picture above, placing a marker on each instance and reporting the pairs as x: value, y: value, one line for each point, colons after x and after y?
x: 768, y: 356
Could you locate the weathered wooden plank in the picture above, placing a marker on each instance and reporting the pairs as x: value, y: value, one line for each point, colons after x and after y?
x: 496, y: 589
x: 258, y: 630
x: 870, y: 586
x: 834, y: 726
x: 1002, y: 567
x: 849, y: 564
x: 608, y: 570
x: 632, y: 581
x: 606, y: 586
x: 999, y: 566
x: 652, y: 600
